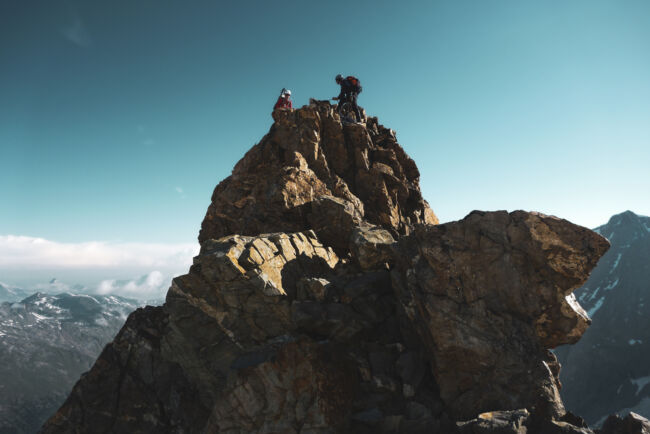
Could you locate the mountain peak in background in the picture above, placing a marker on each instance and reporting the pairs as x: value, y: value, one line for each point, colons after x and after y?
x: 325, y: 298
x: 607, y: 370
x: 625, y: 227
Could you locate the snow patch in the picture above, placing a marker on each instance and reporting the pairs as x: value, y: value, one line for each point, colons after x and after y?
x: 595, y: 308
x: 611, y: 285
x: 594, y: 294
x: 618, y: 259
x: 640, y: 383
x: 40, y: 317
x: 83, y: 296
x: 571, y: 300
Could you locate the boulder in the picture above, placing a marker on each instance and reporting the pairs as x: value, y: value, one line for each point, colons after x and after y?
x: 489, y: 295
x: 371, y: 246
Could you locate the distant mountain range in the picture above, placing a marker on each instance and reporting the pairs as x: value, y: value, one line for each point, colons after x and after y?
x: 46, y: 342
x: 608, y: 370
x: 9, y: 293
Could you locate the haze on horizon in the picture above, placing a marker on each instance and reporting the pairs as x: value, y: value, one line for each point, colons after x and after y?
x: 118, y: 119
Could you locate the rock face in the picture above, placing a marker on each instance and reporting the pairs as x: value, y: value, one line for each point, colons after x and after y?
x: 489, y: 296
x: 608, y: 370
x: 313, y: 172
x: 325, y: 299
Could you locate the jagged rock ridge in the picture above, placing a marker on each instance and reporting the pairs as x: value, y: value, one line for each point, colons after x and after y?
x: 310, y: 169
x: 324, y: 299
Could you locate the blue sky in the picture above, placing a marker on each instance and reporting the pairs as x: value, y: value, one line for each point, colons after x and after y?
x: 117, y: 119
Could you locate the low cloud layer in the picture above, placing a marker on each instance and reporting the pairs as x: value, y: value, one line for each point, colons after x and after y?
x: 152, y: 286
x: 22, y: 252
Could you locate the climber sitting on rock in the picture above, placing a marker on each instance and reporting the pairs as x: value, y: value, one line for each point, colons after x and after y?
x: 350, y: 89
x: 284, y: 100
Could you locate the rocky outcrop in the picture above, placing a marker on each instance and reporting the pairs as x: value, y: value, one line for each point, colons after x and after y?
x: 313, y: 172
x: 324, y: 299
x: 489, y: 296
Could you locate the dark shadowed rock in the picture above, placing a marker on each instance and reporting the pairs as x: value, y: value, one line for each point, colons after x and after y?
x: 631, y: 424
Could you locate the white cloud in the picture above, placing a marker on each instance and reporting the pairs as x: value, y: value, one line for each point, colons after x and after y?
x: 25, y: 252
x: 151, y: 286
x: 179, y: 190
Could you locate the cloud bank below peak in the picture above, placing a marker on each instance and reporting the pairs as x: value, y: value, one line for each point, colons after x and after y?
x: 24, y: 252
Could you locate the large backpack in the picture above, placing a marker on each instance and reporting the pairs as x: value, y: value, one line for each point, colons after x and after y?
x: 356, y: 84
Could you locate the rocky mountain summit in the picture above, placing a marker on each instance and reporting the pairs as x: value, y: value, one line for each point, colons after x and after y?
x: 326, y: 298
x: 608, y: 370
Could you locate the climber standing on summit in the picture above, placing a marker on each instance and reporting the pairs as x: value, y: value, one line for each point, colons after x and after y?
x: 284, y: 100
x: 350, y: 89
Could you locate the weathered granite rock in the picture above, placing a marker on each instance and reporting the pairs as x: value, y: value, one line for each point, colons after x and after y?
x: 323, y: 300
x: 272, y: 333
x: 309, y: 154
x: 371, y: 246
x: 489, y: 295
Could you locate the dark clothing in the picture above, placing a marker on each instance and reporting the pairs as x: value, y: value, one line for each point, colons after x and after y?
x: 283, y: 103
x: 346, y: 89
x: 349, y: 94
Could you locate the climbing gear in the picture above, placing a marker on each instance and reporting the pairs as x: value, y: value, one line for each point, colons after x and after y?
x: 355, y: 82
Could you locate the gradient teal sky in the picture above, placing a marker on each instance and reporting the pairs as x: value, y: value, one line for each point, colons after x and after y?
x: 118, y: 118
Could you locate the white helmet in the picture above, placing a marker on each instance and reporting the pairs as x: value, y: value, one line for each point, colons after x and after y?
x: 286, y: 92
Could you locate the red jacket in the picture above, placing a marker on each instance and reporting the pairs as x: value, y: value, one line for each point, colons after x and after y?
x: 283, y: 103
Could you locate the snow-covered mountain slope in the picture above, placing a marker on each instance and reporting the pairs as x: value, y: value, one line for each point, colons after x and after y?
x: 608, y: 370
x: 11, y: 293
x: 46, y: 342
